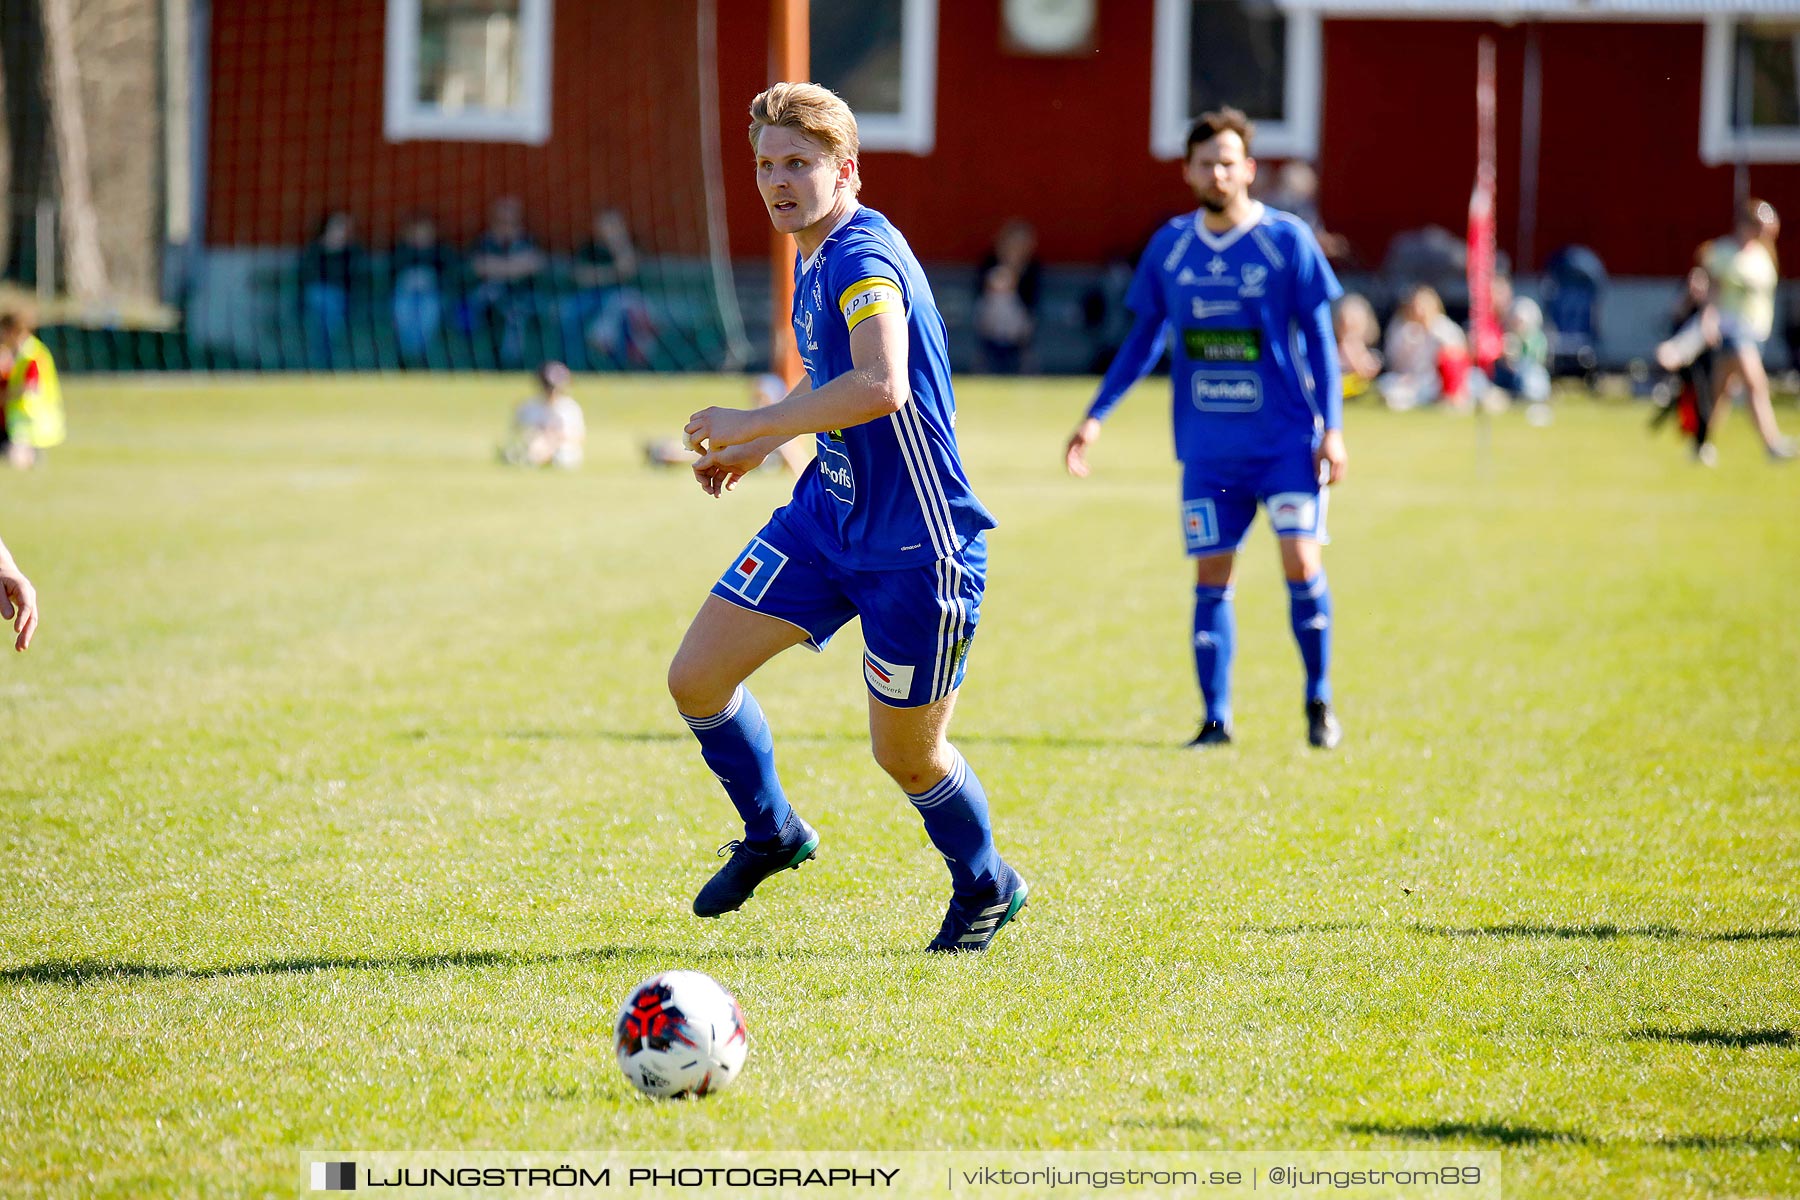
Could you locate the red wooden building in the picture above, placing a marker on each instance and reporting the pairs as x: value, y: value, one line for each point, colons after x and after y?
x: 1627, y: 125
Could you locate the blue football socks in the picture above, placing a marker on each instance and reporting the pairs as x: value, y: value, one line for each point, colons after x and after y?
x: 737, y: 745
x: 1310, y: 607
x: 955, y: 811
x: 1215, y: 638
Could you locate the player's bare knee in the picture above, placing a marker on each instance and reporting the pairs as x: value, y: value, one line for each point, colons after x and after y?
x: 913, y: 767
x: 694, y: 688
x: 1300, y: 559
x: 1214, y: 570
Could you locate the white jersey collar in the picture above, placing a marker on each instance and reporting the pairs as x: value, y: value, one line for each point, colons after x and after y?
x: 1221, y: 241
x: 813, y: 258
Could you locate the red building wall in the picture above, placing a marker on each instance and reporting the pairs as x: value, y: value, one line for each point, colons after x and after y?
x: 296, y: 129
x: 1619, y: 160
x: 1064, y: 142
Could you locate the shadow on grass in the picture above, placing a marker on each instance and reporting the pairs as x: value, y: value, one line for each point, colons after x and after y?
x: 1471, y: 1131
x: 666, y: 736
x: 1737, y: 1039
x: 1597, y: 932
x: 1606, y: 931
x: 79, y: 972
x: 1306, y: 927
x: 1181, y: 1124
x: 1507, y: 1134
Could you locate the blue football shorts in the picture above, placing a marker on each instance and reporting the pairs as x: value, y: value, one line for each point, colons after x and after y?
x: 917, y: 622
x: 1219, y: 499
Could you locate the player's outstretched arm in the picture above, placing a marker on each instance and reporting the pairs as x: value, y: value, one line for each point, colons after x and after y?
x: 875, y: 386
x: 1142, y: 347
x: 18, y: 600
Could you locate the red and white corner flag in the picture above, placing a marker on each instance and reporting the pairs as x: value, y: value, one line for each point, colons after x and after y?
x: 1484, y: 323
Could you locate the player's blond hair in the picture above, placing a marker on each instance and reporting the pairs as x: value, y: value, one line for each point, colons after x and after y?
x: 819, y: 113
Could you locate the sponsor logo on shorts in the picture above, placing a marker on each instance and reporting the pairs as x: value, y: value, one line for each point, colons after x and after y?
x: 894, y: 682
x: 1227, y: 391
x: 1199, y: 524
x: 754, y: 570
x: 1293, y: 512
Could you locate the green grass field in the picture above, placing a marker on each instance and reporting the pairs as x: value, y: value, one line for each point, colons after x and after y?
x: 342, y: 802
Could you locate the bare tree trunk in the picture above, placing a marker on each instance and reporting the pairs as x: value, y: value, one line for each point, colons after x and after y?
x: 80, y: 223
x: 30, y: 169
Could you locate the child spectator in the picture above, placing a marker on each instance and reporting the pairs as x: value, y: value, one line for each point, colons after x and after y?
x: 1523, y: 368
x: 1357, y: 332
x: 548, y: 428
x: 33, y: 408
x: 1427, y: 355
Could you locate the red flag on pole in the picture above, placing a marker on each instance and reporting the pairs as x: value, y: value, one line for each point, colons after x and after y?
x: 1484, y: 324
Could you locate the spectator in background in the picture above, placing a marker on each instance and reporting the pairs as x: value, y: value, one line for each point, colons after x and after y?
x: 33, y: 398
x: 1427, y: 354
x: 1523, y: 369
x: 1104, y: 315
x: 425, y: 277
x: 1357, y: 332
x: 1008, y: 284
x: 1296, y: 191
x: 1693, y: 355
x: 548, y: 428
x: 607, y: 312
x: 1737, y: 319
x: 507, y: 266
x: 332, y: 268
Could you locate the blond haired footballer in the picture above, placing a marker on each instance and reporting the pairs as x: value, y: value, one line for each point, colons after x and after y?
x: 883, y: 526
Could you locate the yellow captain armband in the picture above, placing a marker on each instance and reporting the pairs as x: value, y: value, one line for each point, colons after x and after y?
x: 867, y: 297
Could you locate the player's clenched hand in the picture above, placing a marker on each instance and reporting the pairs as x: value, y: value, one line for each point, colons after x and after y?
x: 1330, y: 459
x: 718, y: 471
x: 716, y: 428
x: 18, y: 604
x: 1075, y: 456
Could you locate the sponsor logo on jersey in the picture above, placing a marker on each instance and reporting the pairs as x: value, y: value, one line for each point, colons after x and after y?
x: 834, y: 468
x: 1293, y: 512
x: 1218, y: 274
x: 1199, y: 524
x: 889, y: 679
x: 754, y: 570
x: 1227, y: 391
x: 1223, y: 345
x: 1187, y: 278
x: 1178, y: 249
x: 1255, y: 276
x: 1204, y: 309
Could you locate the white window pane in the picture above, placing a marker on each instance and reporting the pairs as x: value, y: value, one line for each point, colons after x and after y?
x: 1237, y: 55
x: 856, y: 52
x: 470, y: 55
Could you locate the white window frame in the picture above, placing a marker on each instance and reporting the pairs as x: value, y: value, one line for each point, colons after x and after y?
x: 406, y: 119
x: 1719, y: 142
x: 912, y: 130
x: 1296, y: 136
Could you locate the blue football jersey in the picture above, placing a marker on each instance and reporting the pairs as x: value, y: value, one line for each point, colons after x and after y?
x: 891, y: 492
x: 1234, y: 305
